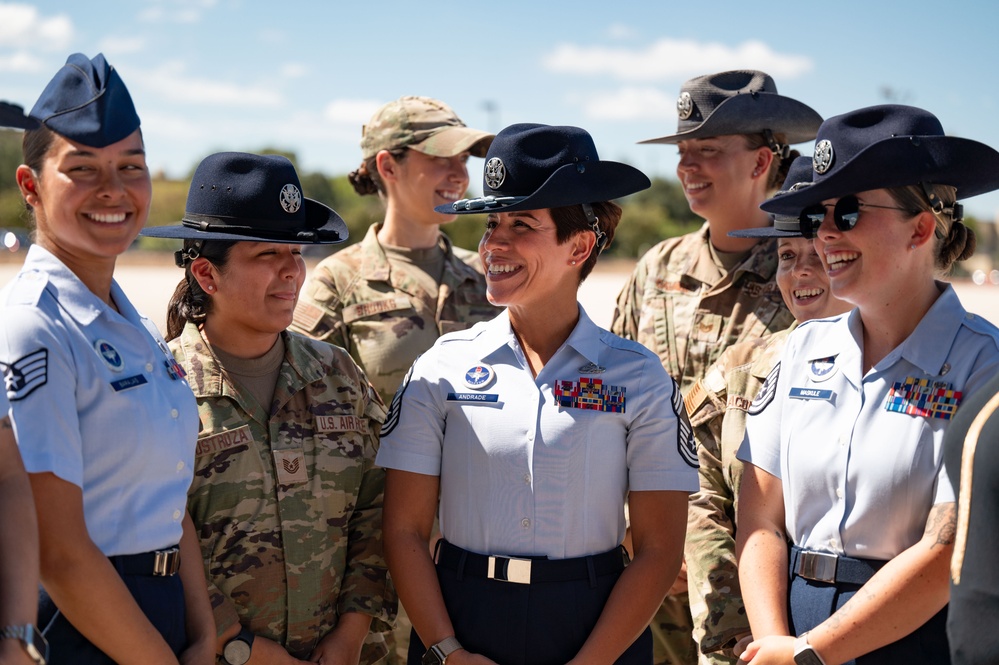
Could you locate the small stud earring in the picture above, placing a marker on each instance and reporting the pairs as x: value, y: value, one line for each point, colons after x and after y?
x: 756, y: 172
x: 573, y: 262
x: 912, y: 246
x: 210, y: 288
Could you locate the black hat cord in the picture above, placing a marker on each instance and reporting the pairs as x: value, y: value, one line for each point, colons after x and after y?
x: 782, y: 150
x: 591, y: 217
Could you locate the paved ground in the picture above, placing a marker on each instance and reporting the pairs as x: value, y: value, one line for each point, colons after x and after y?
x: 149, y: 282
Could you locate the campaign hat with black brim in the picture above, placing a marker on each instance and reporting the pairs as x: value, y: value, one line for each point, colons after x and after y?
x: 12, y: 117
x: 799, y: 176
x: 885, y: 146
x: 533, y: 166
x: 739, y: 102
x: 242, y: 196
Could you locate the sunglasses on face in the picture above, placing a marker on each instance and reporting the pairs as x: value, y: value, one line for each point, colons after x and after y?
x: 846, y: 212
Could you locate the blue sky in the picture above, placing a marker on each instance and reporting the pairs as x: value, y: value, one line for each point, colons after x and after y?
x: 210, y: 75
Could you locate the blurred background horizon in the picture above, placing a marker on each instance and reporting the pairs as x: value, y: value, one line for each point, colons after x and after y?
x: 300, y: 78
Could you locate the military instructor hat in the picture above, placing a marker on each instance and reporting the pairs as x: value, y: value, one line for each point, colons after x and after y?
x: 889, y: 145
x: 533, y: 166
x: 12, y: 116
x: 87, y: 102
x: 426, y: 125
x: 739, y: 102
x: 242, y: 196
x: 799, y: 176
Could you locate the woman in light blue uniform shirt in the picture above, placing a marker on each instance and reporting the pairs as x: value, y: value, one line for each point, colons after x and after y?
x: 534, y: 428
x: 105, y: 421
x: 844, y: 440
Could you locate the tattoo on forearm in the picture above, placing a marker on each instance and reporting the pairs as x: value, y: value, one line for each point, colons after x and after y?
x: 5, y: 423
x: 942, y: 523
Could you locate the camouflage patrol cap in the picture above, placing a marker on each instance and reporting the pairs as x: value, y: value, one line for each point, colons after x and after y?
x: 423, y: 124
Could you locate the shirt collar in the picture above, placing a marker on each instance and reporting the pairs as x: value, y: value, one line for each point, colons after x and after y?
x: 73, y: 295
x: 584, y: 339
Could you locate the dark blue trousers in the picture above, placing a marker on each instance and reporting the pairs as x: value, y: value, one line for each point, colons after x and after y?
x: 160, y: 598
x: 812, y: 602
x: 519, y: 624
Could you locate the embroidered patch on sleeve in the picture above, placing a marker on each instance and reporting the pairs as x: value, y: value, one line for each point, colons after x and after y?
x: 923, y: 397
x: 27, y: 374
x: 590, y: 394
x: 767, y: 392
x: 685, y: 443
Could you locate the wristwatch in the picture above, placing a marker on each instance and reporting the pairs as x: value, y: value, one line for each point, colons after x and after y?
x: 438, y: 653
x: 237, y: 650
x: 804, y: 654
x: 32, y: 639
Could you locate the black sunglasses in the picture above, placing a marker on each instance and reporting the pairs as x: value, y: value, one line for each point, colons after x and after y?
x: 846, y: 212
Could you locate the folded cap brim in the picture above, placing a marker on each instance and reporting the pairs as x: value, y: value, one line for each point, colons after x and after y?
x: 452, y: 141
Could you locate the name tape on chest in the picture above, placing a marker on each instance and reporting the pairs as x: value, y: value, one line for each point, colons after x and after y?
x: 128, y: 382
x: 923, y: 397
x: 365, y: 309
x: 341, y: 423
x: 216, y: 443
x: 589, y: 394
x: 811, y: 393
x: 473, y: 397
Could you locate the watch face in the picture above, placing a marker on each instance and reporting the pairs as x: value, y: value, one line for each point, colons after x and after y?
x: 807, y: 656
x: 236, y: 652
x: 433, y: 656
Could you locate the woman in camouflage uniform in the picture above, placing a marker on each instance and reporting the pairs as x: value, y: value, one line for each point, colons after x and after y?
x: 286, y: 498
x: 692, y: 297
x: 389, y: 297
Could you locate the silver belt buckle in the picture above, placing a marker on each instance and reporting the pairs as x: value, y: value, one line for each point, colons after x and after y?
x: 167, y: 562
x: 508, y: 569
x: 818, y: 566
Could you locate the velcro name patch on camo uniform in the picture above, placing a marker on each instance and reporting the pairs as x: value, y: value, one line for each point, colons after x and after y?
x: 924, y: 397
x: 589, y: 393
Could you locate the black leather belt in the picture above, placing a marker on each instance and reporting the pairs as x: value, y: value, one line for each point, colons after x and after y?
x: 529, y: 570
x: 832, y: 568
x: 162, y: 563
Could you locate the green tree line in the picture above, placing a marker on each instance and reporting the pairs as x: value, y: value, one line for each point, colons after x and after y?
x: 649, y: 216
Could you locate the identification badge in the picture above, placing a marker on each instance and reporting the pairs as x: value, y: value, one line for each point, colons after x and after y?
x: 479, y: 377
x: 472, y: 397
x: 924, y: 397
x: 290, y: 465
x: 128, y: 382
x: 811, y: 393
x: 589, y: 394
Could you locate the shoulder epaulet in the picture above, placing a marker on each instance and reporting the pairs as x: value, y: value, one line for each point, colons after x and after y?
x: 27, y: 288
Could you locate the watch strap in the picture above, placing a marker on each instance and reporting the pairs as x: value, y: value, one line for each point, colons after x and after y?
x: 32, y: 639
x: 448, y: 646
x: 804, y: 653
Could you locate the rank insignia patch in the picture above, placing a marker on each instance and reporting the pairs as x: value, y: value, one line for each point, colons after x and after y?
x: 589, y: 394
x: 25, y: 375
x: 923, y: 397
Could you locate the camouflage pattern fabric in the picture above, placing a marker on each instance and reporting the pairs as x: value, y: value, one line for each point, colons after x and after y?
x: 357, y: 299
x: 717, y: 405
x: 680, y: 304
x: 288, y: 506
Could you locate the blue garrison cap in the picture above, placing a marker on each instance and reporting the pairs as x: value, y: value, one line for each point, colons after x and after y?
x: 87, y: 102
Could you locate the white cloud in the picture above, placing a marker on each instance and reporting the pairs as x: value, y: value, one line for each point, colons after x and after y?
x: 350, y: 111
x: 115, y: 46
x: 672, y: 59
x: 621, y: 31
x: 176, y: 11
x: 171, y: 82
x: 631, y: 103
x: 294, y: 70
x: 21, y: 62
x: 23, y: 26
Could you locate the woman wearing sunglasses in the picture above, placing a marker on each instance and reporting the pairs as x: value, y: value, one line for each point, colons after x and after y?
x: 844, y: 441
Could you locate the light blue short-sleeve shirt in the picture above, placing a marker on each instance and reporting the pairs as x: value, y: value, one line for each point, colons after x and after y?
x: 539, y: 467
x: 860, y: 455
x: 95, y: 400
